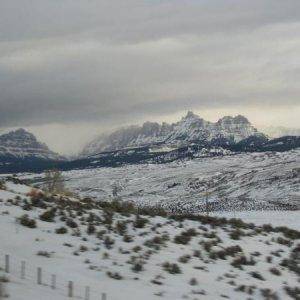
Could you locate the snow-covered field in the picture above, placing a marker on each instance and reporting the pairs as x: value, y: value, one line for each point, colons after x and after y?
x: 146, y: 257
x: 241, y: 182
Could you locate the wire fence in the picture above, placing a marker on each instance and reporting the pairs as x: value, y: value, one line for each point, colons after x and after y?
x: 41, y: 277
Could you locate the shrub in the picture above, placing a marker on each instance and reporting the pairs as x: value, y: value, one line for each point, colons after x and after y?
x: 275, y: 271
x: 136, y: 248
x: 48, y: 215
x: 236, y: 234
x: 283, y: 241
x: 83, y: 248
x: 223, y: 253
x: 184, y: 259
x: 27, y: 222
x: 91, y: 229
x: 156, y: 210
x: 243, y: 260
x: 289, y: 233
x: 140, y: 222
x: 121, y: 227
x: 44, y: 253
x: 171, y: 268
x: 114, y: 275
x: 156, y: 242
x: 108, y: 242
x: 182, y: 239
x: 293, y: 292
x: 256, y: 275
x: 71, y: 223
x: 193, y: 281
x: 121, y: 207
x: 269, y: 294
x: 2, y: 185
x: 137, y: 267
x: 127, y: 238
x: 61, y: 230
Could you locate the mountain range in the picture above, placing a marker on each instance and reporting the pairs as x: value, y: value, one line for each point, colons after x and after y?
x: 189, y: 130
x: 190, y: 137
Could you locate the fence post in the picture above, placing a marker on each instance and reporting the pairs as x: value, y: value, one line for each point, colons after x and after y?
x: 70, y: 289
x: 87, y: 293
x: 103, y: 296
x: 2, y: 290
x: 39, y: 276
x: 53, y: 282
x: 23, y: 269
x: 6, y: 263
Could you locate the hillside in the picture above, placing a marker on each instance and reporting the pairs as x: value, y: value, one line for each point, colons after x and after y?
x: 146, y: 254
x: 246, y: 181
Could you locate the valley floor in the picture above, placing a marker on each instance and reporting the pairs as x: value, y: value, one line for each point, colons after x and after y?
x: 243, y: 182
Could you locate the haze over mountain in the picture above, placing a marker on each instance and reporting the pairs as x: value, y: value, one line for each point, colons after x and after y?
x: 279, y: 131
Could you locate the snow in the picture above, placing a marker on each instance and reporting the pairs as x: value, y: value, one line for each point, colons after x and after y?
x: 23, y: 243
x: 249, y: 181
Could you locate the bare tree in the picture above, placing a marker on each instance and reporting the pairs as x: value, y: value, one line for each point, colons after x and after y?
x: 54, y: 182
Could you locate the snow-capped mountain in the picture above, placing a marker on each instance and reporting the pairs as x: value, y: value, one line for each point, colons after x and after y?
x: 190, y: 129
x: 23, y: 144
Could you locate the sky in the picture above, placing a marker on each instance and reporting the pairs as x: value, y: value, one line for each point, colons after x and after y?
x: 72, y: 69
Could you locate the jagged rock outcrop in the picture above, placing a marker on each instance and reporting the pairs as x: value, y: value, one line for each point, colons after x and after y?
x: 190, y: 129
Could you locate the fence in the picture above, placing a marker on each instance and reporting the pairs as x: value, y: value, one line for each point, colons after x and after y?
x: 20, y: 269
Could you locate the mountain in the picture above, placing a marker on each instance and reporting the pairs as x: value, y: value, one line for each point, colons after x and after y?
x: 191, y: 129
x: 21, y: 151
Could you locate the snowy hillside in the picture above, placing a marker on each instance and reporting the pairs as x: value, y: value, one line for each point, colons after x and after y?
x: 248, y: 181
x: 116, y: 250
x: 189, y: 129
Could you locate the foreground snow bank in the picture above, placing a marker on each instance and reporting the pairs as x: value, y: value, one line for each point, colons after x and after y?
x: 108, y: 248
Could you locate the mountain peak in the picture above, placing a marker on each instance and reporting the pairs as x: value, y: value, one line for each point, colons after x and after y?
x: 21, y: 143
x: 239, y: 119
x: 190, y: 129
x: 22, y: 135
x: 190, y: 115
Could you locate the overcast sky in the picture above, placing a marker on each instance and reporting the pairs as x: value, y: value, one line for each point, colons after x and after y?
x: 70, y: 69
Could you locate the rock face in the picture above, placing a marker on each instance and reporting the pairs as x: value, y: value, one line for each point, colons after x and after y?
x: 191, y: 129
x: 21, y: 144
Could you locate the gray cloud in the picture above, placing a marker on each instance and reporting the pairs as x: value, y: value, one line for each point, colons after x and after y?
x: 110, y: 62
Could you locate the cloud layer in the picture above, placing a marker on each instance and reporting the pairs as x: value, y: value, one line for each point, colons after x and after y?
x: 110, y: 62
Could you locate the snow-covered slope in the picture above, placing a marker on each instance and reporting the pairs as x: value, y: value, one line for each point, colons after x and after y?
x: 251, y: 181
x: 190, y: 129
x: 23, y: 144
x: 248, y: 181
x: 124, y: 255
